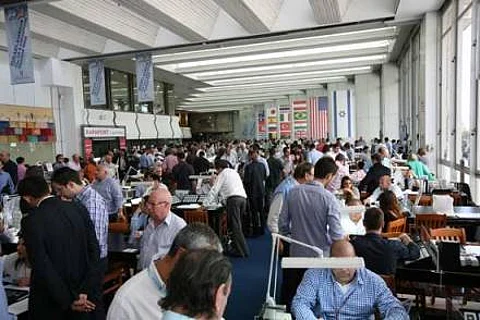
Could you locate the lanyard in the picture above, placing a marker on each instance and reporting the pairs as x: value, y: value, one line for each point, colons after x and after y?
x: 337, y: 309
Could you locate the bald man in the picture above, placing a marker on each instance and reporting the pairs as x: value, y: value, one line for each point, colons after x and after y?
x: 161, y: 229
x: 111, y: 191
x: 347, y: 293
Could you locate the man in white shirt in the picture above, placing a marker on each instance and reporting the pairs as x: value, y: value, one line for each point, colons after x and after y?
x: 138, y: 297
x: 228, y: 185
x: 75, y: 163
x: 313, y: 155
x: 161, y: 229
x: 385, y: 183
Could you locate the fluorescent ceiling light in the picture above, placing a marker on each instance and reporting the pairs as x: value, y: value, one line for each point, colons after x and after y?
x: 277, y: 55
x: 357, y: 35
x: 238, y: 71
x: 277, y: 89
x: 243, y: 95
x: 275, y: 84
x: 287, y: 76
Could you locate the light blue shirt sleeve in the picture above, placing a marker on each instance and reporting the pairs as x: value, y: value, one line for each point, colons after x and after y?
x: 305, y: 300
x: 390, y: 307
x: 117, y: 195
x: 284, y: 218
x: 335, y: 229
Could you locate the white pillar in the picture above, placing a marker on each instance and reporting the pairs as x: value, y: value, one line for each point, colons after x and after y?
x: 390, y: 101
x: 367, y: 94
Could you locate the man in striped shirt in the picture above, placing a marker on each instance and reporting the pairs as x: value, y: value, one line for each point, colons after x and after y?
x: 67, y: 184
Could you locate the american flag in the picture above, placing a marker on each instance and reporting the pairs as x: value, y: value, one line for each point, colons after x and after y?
x: 318, y: 107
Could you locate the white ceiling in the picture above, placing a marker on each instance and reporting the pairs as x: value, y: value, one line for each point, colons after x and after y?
x: 232, y: 72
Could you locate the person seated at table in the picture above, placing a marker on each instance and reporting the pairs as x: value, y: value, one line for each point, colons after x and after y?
x: 16, y: 268
x: 145, y: 189
x: 385, y: 183
x: 138, y: 297
x: 419, y: 169
x: 161, y: 229
x: 354, y: 224
x: 371, y: 180
x: 390, y: 207
x: 139, y: 221
x: 346, y: 293
x: 199, y: 287
x: 358, y: 175
x: 382, y: 255
x: 349, y: 190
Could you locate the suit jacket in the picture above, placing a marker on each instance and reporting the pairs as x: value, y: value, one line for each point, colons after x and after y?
x: 372, y: 178
x: 64, y: 254
x: 381, y: 255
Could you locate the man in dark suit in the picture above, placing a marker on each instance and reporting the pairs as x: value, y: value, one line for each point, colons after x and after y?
x: 371, y: 180
x: 201, y: 164
x: 254, y: 184
x: 381, y: 255
x: 63, y: 252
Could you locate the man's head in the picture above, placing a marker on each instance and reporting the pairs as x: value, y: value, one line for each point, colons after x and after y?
x: 32, y: 189
x: 377, y: 158
x: 59, y: 158
x: 101, y: 173
x: 158, y: 204
x: 194, y: 236
x: 181, y: 156
x: 355, y: 216
x: 325, y: 170
x: 4, y: 156
x: 340, y: 158
x: 373, y: 220
x: 20, y: 160
x: 385, y: 182
x: 199, y: 285
x: 221, y: 165
x: 201, y: 154
x: 343, y: 249
x: 304, y: 172
x: 286, y: 151
x: 108, y: 158
x: 66, y: 182
x: 76, y: 158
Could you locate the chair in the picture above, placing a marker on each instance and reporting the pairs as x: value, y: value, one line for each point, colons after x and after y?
x: 390, y: 281
x: 112, y: 281
x: 118, y: 227
x: 449, y: 234
x: 196, y: 215
x: 430, y: 220
x: 399, y: 225
x: 425, y: 200
x: 390, y: 235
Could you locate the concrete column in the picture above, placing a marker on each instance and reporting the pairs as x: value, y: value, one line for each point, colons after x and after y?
x: 390, y: 102
x: 367, y: 93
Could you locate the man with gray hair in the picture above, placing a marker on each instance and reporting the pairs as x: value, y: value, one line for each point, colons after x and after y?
x: 138, y: 297
x: 111, y: 191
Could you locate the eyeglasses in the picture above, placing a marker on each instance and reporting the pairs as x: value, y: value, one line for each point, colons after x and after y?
x: 151, y: 204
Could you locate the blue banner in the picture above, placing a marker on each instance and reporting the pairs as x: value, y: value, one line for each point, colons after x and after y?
x: 96, y: 72
x: 144, y: 77
x: 17, y: 27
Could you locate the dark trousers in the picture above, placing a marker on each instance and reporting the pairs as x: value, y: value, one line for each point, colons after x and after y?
x: 257, y: 214
x: 236, y: 207
x: 99, y: 313
x: 291, y: 280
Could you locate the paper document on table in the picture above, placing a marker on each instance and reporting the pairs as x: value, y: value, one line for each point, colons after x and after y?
x: 473, y: 250
x: 189, y: 206
x: 18, y: 307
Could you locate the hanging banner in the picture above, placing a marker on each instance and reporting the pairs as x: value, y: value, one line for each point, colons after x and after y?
x: 261, y: 125
x: 272, y: 122
x: 285, y: 121
x: 96, y: 72
x: 17, y: 27
x: 300, y: 124
x: 318, y: 118
x: 144, y: 67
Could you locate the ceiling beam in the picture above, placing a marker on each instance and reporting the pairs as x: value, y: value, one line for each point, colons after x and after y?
x: 192, y: 20
x: 253, y: 15
x: 105, y: 18
x: 326, y: 11
x: 40, y: 49
x: 50, y: 30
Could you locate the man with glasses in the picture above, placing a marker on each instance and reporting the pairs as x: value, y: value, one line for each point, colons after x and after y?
x: 161, y: 229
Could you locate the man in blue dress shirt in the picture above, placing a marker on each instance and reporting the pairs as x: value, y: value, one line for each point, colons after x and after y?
x: 345, y: 293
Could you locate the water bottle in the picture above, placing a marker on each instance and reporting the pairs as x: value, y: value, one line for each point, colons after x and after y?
x: 134, y: 226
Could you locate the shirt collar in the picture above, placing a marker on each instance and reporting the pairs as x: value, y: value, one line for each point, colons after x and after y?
x: 175, y: 316
x: 155, y: 277
x: 357, y: 280
x: 84, y: 191
x: 167, y: 220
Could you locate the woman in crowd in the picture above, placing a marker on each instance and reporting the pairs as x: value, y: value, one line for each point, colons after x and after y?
x: 419, y: 169
x: 390, y: 207
x: 349, y: 190
x: 16, y: 268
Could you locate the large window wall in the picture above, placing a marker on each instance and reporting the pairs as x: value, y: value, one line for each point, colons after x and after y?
x: 459, y: 118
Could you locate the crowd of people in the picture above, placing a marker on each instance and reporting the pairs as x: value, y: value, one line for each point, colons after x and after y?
x: 290, y: 188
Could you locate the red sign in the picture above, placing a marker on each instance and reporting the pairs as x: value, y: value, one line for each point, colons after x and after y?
x: 122, y: 143
x: 285, y: 126
x: 87, y: 147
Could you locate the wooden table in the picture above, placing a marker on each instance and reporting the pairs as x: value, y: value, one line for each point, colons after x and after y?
x: 214, y: 216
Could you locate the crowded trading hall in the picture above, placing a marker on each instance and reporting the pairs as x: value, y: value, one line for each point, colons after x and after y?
x: 239, y: 159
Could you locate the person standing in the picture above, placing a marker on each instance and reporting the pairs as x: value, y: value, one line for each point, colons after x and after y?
x: 181, y: 174
x: 228, y: 185
x: 75, y: 163
x: 6, y: 183
x: 9, y: 166
x: 63, y: 253
x: 111, y: 191
x: 21, y: 169
x: 254, y: 182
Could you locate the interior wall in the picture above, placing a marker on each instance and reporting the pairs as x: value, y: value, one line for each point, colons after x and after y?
x: 390, y: 101
x: 367, y: 97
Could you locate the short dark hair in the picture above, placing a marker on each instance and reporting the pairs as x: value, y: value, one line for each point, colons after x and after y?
x: 344, y: 178
x: 302, y: 169
x: 58, y: 156
x: 324, y: 167
x: 377, y: 158
x: 373, y: 219
x: 340, y: 157
x: 201, y: 154
x: 20, y: 160
x: 195, y: 236
x: 360, y: 164
x: 194, y: 281
x: 64, y: 175
x: 221, y: 164
x: 181, y: 155
x: 33, y: 186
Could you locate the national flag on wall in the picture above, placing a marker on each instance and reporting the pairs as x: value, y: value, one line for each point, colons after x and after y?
x: 318, y: 107
x: 300, y: 119
x: 285, y: 121
x: 261, y: 125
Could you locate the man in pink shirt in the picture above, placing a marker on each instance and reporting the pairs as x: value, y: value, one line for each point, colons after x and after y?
x: 21, y: 169
x: 341, y: 172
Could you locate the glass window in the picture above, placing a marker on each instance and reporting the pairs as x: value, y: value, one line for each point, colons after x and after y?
x: 159, y: 104
x: 448, y: 93
x: 462, y: 5
x: 170, y: 100
x: 120, y: 91
x: 140, y: 107
x: 464, y: 49
x: 448, y: 18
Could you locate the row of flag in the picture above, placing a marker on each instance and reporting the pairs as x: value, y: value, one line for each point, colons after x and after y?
x: 302, y: 119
